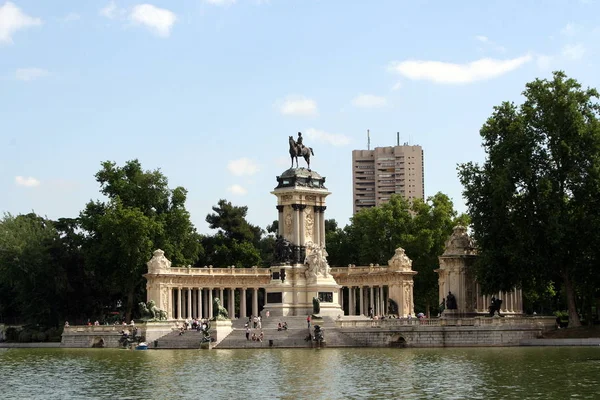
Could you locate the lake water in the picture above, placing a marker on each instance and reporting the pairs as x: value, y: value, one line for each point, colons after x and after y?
x: 474, y: 373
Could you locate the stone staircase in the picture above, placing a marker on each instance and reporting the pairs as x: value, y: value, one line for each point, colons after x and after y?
x: 190, y: 339
x: 293, y: 337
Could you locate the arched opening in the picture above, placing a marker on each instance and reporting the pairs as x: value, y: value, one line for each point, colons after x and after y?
x: 98, y: 342
x: 398, y: 341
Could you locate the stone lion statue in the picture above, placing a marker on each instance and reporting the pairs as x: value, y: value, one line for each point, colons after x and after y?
x: 150, y: 312
x: 220, y: 313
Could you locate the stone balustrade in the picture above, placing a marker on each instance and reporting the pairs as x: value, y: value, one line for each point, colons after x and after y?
x: 393, y: 323
x: 210, y: 271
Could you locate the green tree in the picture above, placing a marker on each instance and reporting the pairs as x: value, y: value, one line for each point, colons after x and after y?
x: 420, y: 227
x: 141, y: 215
x: 231, y: 222
x: 534, y: 201
x: 32, y: 284
x: 236, y: 242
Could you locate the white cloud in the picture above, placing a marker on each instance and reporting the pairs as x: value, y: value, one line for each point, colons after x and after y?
x: 397, y: 86
x: 27, y: 181
x: 220, y: 2
x: 570, y: 30
x: 242, y: 166
x: 573, y: 51
x: 297, y: 106
x: 334, y: 139
x: 237, y: 189
x: 159, y: 20
x: 482, y: 38
x: 450, y: 73
x: 369, y: 101
x: 30, y: 74
x: 110, y: 11
x: 12, y: 19
x: 72, y: 16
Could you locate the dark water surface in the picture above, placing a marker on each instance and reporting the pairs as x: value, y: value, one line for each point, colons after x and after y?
x: 473, y: 373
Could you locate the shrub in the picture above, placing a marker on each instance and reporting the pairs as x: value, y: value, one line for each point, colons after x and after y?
x: 25, y: 336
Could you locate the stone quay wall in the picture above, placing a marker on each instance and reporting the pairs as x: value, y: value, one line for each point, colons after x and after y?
x: 468, y: 332
x: 86, y: 336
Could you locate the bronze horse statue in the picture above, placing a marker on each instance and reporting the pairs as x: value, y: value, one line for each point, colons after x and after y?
x: 295, y: 152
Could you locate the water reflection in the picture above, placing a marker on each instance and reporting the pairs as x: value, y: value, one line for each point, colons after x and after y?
x: 535, y: 373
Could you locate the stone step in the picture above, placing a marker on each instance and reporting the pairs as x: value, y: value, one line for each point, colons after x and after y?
x: 190, y: 339
x: 294, y: 336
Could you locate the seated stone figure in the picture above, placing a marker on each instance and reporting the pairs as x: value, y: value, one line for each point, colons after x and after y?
x: 220, y: 313
x: 495, y: 307
x: 316, y: 305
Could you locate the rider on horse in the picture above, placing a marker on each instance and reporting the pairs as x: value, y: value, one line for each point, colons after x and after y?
x: 299, y: 143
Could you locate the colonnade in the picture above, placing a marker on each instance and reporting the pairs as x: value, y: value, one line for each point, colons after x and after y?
x: 362, y: 298
x: 512, y: 302
x: 188, y: 303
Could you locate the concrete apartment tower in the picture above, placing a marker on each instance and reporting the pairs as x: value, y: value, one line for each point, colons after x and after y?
x: 383, y: 171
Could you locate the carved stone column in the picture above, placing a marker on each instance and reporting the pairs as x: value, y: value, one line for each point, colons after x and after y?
x: 362, y: 300
x: 188, y: 313
x: 317, y: 224
x: 302, y: 219
x: 350, y: 301
x: 243, y: 313
x: 255, y: 301
x: 371, y: 299
x: 280, y: 221
x: 210, y: 303
x: 199, y: 305
x: 178, y: 303
x: 322, y: 227
x: 296, y: 232
x: 231, y: 301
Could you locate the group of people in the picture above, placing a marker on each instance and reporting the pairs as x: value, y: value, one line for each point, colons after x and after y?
x: 192, y: 324
x: 254, y: 337
x: 282, y: 326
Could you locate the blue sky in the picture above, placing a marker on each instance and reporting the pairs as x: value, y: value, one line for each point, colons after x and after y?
x: 209, y: 90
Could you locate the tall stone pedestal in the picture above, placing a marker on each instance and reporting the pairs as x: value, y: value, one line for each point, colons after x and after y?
x: 302, y: 271
x: 219, y: 330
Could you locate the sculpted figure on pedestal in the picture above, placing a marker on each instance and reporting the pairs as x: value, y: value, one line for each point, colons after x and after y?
x: 298, y: 149
x: 158, y: 262
x: 316, y: 260
x: 451, y: 302
x: 459, y: 242
x: 316, y: 305
x: 400, y: 261
x: 150, y: 312
x: 219, y: 311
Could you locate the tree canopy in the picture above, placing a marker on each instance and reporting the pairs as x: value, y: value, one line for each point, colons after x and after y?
x: 141, y: 215
x: 534, y: 201
x: 420, y: 227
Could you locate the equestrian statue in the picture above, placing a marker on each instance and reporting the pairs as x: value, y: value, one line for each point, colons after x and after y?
x: 299, y: 149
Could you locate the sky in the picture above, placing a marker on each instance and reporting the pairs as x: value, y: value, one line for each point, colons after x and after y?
x: 208, y: 91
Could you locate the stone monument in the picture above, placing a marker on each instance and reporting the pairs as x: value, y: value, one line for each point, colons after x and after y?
x: 459, y: 292
x: 301, y: 271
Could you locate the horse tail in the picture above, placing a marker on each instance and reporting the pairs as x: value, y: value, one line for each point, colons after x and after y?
x: 311, y: 151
